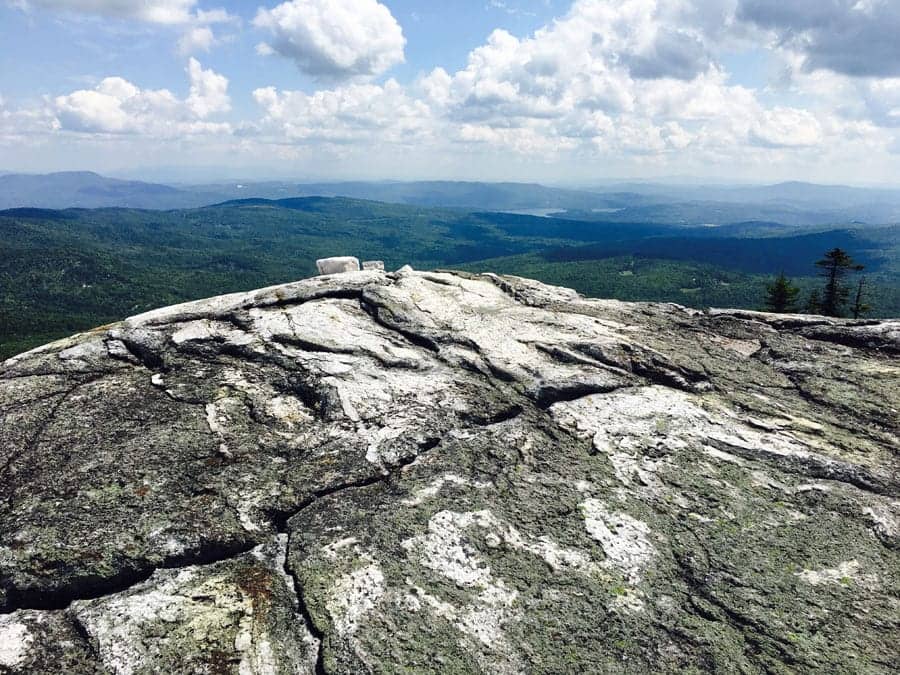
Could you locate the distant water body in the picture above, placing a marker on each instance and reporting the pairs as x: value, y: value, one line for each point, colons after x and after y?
x: 540, y: 213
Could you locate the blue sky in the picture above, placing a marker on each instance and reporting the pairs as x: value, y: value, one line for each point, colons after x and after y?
x: 562, y: 91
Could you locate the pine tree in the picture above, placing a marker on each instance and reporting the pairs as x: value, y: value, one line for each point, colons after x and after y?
x: 859, y: 307
x: 814, y: 304
x: 834, y: 267
x: 781, y: 295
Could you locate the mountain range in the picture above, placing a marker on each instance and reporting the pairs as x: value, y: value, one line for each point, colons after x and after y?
x: 795, y: 204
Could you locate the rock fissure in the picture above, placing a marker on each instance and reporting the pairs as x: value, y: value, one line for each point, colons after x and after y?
x: 813, y: 467
x: 308, y: 621
x: 125, y: 578
x: 32, y: 443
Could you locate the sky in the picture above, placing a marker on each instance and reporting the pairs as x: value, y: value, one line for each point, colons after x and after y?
x: 557, y: 91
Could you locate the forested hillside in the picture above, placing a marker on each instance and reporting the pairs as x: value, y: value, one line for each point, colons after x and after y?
x: 65, y: 271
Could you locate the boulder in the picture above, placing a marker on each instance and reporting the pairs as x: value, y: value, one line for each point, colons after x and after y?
x: 373, y: 265
x: 337, y: 265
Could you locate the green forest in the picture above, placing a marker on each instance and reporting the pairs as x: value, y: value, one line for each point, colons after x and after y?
x: 68, y: 271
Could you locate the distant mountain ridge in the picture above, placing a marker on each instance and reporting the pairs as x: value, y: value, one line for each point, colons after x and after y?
x: 86, y: 189
x: 794, y: 193
x: 791, y: 203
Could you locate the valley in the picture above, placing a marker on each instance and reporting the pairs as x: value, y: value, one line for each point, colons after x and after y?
x: 63, y: 271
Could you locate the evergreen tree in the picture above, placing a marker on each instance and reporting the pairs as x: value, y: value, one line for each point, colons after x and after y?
x: 814, y: 304
x: 859, y: 307
x: 781, y: 295
x: 834, y: 267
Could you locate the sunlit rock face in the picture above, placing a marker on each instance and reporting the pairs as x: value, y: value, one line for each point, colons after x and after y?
x: 338, y: 265
x: 436, y: 472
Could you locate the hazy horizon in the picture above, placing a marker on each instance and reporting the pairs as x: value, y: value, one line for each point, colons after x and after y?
x: 181, y: 177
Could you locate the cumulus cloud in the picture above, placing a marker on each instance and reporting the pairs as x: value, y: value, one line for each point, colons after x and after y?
x: 334, y: 39
x: 785, y: 128
x: 209, y: 91
x: 623, y: 78
x: 199, y: 39
x: 609, y: 76
x: 672, y: 53
x: 618, y: 82
x: 116, y: 106
x: 852, y: 37
x: 353, y: 113
x: 25, y: 125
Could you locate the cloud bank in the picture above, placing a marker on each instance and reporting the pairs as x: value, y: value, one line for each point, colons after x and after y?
x: 640, y: 84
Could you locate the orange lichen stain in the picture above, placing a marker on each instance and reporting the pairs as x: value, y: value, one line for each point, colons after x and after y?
x: 256, y: 584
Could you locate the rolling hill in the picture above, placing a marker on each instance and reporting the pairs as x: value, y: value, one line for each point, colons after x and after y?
x: 69, y: 270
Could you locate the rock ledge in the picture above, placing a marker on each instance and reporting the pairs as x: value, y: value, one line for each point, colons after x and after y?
x: 443, y: 472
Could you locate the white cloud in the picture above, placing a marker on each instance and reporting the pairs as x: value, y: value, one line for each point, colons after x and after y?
x: 611, y: 80
x: 25, y: 125
x: 264, y: 49
x: 786, y: 128
x: 612, y: 83
x: 198, y: 39
x: 116, y: 106
x: 354, y: 113
x: 335, y: 39
x: 209, y: 91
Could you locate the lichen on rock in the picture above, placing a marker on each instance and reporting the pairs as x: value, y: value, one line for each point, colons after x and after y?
x: 446, y: 472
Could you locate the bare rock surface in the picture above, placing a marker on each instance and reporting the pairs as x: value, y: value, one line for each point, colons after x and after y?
x: 441, y: 472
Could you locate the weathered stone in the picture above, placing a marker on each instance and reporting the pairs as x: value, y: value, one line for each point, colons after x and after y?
x: 438, y: 472
x: 337, y: 265
x: 373, y: 265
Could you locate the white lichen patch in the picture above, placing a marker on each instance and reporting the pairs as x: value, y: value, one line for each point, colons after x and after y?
x: 885, y: 519
x: 629, y: 601
x: 258, y: 656
x: 117, y: 623
x: 625, y: 540
x: 288, y: 410
x: 334, y: 550
x: 433, y: 489
x: 15, y: 640
x: 444, y: 548
x: 353, y: 596
x: 486, y: 619
x: 376, y: 453
x: 447, y: 549
x: 195, y: 612
x: 844, y: 572
x: 247, y: 508
x: 213, y: 418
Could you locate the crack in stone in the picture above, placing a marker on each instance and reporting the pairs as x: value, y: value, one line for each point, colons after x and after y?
x: 123, y: 580
x: 214, y: 552
x: 303, y: 609
x: 751, y: 629
x: 39, y: 433
x: 813, y: 467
